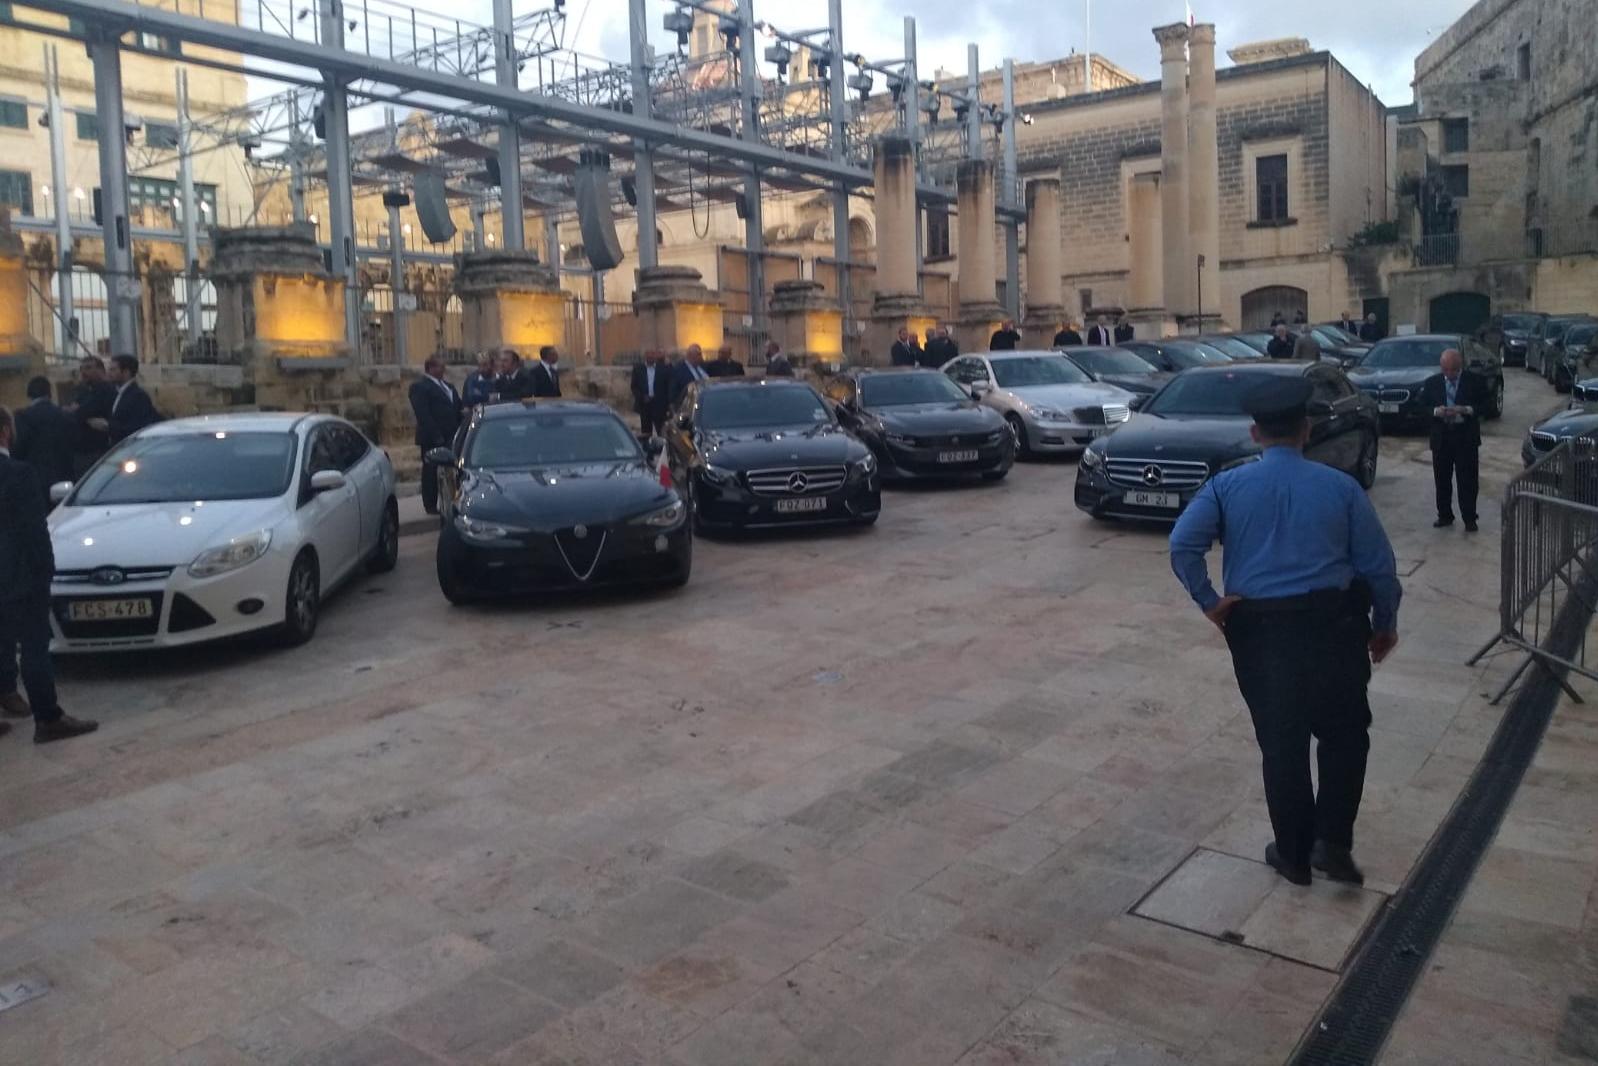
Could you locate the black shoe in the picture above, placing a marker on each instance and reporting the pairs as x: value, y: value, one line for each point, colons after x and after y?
x: 1298, y: 875
x: 64, y: 728
x: 1336, y: 863
x: 1442, y: 523
x: 1470, y: 525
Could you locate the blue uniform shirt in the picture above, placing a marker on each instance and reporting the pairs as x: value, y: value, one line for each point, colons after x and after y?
x: 1289, y: 525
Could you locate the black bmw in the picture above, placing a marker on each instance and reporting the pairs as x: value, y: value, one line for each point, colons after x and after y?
x: 919, y: 424
x: 1394, y: 370
x: 555, y: 495
x: 753, y: 454
x: 1195, y: 427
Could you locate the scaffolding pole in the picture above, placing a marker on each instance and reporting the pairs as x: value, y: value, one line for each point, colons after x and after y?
x: 340, y: 192
x: 60, y: 192
x: 840, y: 126
x: 191, y: 222
x: 1007, y: 197
x: 121, y: 286
x: 510, y: 134
x: 913, y: 128
x: 754, y: 227
x: 643, y: 155
x: 396, y: 283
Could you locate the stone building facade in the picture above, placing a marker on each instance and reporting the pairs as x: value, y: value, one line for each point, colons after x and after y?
x: 1301, y: 170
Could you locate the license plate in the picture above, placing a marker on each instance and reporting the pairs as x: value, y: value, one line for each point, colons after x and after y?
x: 1387, y: 408
x: 109, y: 610
x: 967, y: 456
x: 802, y: 506
x: 1169, y: 501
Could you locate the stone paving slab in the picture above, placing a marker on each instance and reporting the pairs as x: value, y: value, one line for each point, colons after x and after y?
x: 884, y: 797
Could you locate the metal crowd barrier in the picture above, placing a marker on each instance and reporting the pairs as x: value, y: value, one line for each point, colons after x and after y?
x: 1549, y: 559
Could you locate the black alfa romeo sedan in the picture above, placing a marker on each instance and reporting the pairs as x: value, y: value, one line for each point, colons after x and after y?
x: 754, y: 454
x: 1195, y: 427
x: 921, y: 425
x: 555, y: 495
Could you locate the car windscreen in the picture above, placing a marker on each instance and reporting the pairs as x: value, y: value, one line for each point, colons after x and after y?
x: 1023, y: 371
x: 1111, y: 361
x: 897, y: 390
x: 1257, y: 341
x: 1558, y: 326
x: 1522, y: 323
x: 1233, y: 347
x: 551, y: 439
x: 216, y: 465
x: 1191, y: 353
x: 1407, y: 352
x: 1580, y: 335
x: 746, y: 407
x: 1342, y: 335
x: 1217, y: 393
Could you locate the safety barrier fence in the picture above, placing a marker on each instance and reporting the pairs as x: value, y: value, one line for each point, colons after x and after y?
x: 1549, y: 549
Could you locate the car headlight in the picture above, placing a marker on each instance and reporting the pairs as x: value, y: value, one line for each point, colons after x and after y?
x: 240, y: 551
x: 473, y: 529
x: 864, y: 467
x: 662, y: 518
x: 716, y: 474
x: 1091, y: 459
x: 1047, y: 414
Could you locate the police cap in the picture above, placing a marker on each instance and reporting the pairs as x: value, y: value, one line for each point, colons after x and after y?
x: 1281, y: 401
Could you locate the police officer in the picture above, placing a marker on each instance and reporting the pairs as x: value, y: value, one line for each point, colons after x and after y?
x: 1311, y: 601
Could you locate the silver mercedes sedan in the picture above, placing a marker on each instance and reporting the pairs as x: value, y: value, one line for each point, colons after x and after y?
x: 1050, y: 403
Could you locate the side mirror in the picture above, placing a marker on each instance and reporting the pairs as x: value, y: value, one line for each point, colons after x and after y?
x: 327, y: 480
x: 440, y: 456
x: 59, y: 491
x: 980, y: 389
x: 1319, y: 408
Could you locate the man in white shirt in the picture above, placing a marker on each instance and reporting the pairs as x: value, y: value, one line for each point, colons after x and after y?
x: 437, y: 407
x: 651, y: 393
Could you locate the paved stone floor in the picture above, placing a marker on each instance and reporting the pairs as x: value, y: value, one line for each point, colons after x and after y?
x: 874, y: 798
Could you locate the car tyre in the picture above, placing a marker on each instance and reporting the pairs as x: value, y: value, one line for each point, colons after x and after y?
x: 1018, y: 427
x: 302, y: 601
x: 995, y: 475
x: 1497, y: 409
x: 385, y: 555
x: 1369, y: 453
x: 868, y: 520
x: 452, y: 589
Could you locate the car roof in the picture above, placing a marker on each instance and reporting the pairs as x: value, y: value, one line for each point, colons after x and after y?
x: 1278, y: 369
x: 871, y: 371
x: 513, y: 408
x: 754, y: 383
x: 1024, y: 353
x: 236, y: 422
x: 1424, y: 337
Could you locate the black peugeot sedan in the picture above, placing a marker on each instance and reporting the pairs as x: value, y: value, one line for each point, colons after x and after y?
x: 1394, y: 370
x: 753, y: 454
x: 1195, y: 427
x: 555, y: 495
x: 921, y: 425
x: 1119, y: 366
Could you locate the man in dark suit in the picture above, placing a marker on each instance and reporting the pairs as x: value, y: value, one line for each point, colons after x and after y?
x: 27, y: 564
x: 1099, y: 333
x: 1123, y: 331
x: 940, y: 348
x: 511, y: 382
x: 1068, y: 337
x: 46, y: 436
x: 905, y: 350
x: 91, y: 409
x: 544, y: 375
x: 1455, y: 399
x: 687, y: 372
x: 724, y: 365
x: 1370, y: 332
x: 1005, y: 338
x: 1281, y: 343
x: 132, y: 408
x: 437, y: 407
x: 480, y: 382
x: 651, y: 393
x: 1348, y: 325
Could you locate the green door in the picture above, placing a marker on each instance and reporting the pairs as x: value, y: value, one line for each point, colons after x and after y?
x: 1460, y: 312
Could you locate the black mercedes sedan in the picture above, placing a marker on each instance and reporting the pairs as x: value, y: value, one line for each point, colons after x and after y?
x: 553, y: 496
x: 1394, y: 370
x: 753, y: 454
x: 1195, y: 427
x: 1118, y: 366
x: 921, y: 425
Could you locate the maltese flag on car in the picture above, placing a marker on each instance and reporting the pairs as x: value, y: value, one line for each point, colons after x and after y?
x: 663, y: 470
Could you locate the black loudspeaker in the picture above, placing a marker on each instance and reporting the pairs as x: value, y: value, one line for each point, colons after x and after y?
x: 629, y: 191
x: 319, y: 120
x: 741, y: 205
x: 432, y: 210
x: 493, y: 170
x: 396, y: 198
x: 592, y: 182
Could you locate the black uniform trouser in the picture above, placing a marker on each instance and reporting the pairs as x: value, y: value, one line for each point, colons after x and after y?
x: 429, y: 482
x: 1451, y: 461
x: 652, y: 419
x: 25, y: 627
x: 1303, y: 674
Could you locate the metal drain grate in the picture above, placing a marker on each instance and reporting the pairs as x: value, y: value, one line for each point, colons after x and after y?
x: 1356, y: 1021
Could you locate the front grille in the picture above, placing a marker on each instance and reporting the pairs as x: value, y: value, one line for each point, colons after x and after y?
x: 1544, y: 442
x: 580, y: 553
x: 187, y: 615
x: 109, y: 629
x: 1387, y: 395
x: 796, y: 480
x: 137, y: 573
x: 961, y: 440
x: 1109, y: 414
x: 1135, y: 473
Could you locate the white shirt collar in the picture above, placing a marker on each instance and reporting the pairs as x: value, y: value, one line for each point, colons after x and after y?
x: 5, y: 452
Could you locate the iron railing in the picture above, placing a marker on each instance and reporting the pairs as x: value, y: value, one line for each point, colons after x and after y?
x: 1549, y: 559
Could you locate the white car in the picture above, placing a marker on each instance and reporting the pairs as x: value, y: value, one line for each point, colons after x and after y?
x: 203, y: 528
x: 1052, y: 405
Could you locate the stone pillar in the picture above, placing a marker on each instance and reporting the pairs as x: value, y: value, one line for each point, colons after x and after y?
x: 980, y: 311
x: 897, y: 302
x: 275, y: 299
x: 1178, y: 264
x: 1147, y: 279
x: 508, y: 300
x: 21, y: 356
x: 807, y: 323
x: 675, y: 309
x: 1204, y: 210
x: 1045, y: 309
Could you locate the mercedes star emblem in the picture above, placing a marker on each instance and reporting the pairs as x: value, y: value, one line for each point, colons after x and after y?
x: 1153, y: 475
x: 797, y: 482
